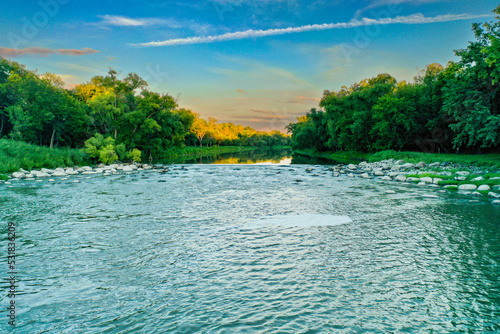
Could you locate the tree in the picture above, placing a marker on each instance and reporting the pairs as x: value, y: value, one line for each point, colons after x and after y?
x: 199, y: 128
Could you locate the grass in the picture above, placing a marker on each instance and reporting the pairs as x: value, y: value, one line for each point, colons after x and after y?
x: 15, y: 155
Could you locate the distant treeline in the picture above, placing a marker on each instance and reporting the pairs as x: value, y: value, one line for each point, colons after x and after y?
x: 446, y: 109
x: 111, y: 117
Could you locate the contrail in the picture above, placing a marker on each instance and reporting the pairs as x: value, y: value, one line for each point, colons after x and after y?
x: 412, y: 19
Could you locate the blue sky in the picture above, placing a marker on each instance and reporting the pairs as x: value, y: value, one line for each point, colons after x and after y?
x: 260, y: 63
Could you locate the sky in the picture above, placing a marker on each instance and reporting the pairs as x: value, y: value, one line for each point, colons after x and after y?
x: 260, y: 63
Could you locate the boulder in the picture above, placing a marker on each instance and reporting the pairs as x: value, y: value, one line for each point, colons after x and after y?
x: 40, y: 174
x: 421, y: 164
x: 130, y: 169
x: 463, y: 173
x: 476, y: 194
x: 387, y: 178
x: 308, y: 170
x: 396, y: 167
x: 479, y: 178
x: 86, y: 168
x: 437, y: 180
x: 484, y: 187
x: 71, y: 171
x: 426, y: 179
x: 352, y: 167
x: 400, y: 178
x: 59, y: 173
x: 399, y: 162
x: 495, y: 202
x: 89, y: 172
x: 434, y: 164
x: 335, y: 174
x: 467, y: 187
x: 18, y: 175
x: 350, y: 175
x: 408, y: 165
x: 460, y: 178
x: 45, y: 170
x: 493, y: 195
x: 365, y: 176
x: 495, y: 178
x: 421, y: 184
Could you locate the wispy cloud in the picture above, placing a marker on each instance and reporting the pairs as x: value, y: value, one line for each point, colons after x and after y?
x: 241, y: 91
x: 8, y: 52
x: 412, y: 19
x: 381, y: 3
x: 123, y: 21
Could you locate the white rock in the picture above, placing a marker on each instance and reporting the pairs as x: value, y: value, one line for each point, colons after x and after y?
x: 387, y: 178
x: 71, y: 171
x: 87, y: 168
x: 426, y: 179
x: 130, y: 169
x: 479, y: 178
x: 421, y: 164
x: 463, y: 173
x: 335, y: 174
x: 390, y: 192
x: 396, y: 167
x: 437, y: 180
x: 351, y: 166
x: 59, y: 174
x: 23, y: 171
x: 476, y: 194
x: 350, y: 175
x: 76, y: 181
x: 483, y: 187
x: 496, y: 202
x: 495, y: 178
x: 399, y: 162
x: 493, y: 195
x: 99, y: 170
x: 29, y: 176
x: 434, y: 164
x: 460, y: 178
x: 80, y: 170
x: 467, y: 187
x: 421, y: 184
x: 365, y: 176
x: 146, y: 167
x: 412, y: 179
x: 400, y: 178
x: 408, y: 165
x: 88, y: 172
x: 18, y: 175
x: 45, y: 170
x: 7, y: 182
x: 51, y: 180
x: 134, y: 167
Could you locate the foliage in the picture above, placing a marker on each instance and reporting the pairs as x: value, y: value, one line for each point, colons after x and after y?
x: 105, y: 150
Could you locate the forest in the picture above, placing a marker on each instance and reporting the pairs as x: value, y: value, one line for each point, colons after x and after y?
x: 446, y: 109
x: 110, y: 117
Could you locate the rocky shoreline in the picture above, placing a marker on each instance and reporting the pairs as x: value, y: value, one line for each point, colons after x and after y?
x: 466, y: 180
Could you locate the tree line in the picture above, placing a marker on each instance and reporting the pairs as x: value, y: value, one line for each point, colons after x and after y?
x: 111, y: 117
x: 454, y: 108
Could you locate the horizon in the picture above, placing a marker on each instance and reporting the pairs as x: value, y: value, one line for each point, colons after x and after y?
x: 259, y: 64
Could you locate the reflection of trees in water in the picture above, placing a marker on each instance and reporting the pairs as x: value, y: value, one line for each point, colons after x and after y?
x: 248, y: 157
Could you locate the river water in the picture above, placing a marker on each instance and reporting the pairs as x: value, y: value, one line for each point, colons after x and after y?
x: 249, y: 249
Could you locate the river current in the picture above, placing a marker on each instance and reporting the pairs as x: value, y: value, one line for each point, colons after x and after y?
x: 249, y: 249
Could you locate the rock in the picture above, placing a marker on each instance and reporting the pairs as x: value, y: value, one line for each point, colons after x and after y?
x: 59, y: 169
x: 308, y: 170
x: 80, y: 170
x: 76, y: 181
x: 378, y: 172
x: 421, y: 184
x: 297, y: 180
x: 29, y: 176
x: 400, y: 178
x: 460, y: 178
x: 146, y: 167
x: 127, y: 169
x: 19, y: 175
x: 45, y: 170
x: 412, y: 179
x: 23, y: 171
x: 86, y: 168
x: 493, y: 195
x: 463, y: 173
x: 99, y: 170
x: 336, y: 174
x: 387, y: 178
x: 134, y: 167
x: 393, y: 174
x: 484, y: 187
x: 408, y: 165
x: 434, y: 164
x: 89, y: 172
x: 365, y: 176
x: 396, y: 167
x: 390, y: 192
x: 495, y: 178
x: 476, y: 194
x: 467, y: 187
x: 496, y: 188
x: 421, y: 164
x: 437, y: 180
x: 59, y: 173
x: 479, y: 178
x: 426, y: 179
x: 495, y: 202
x: 51, y: 180
x: 399, y: 162
x: 71, y: 171
x: 350, y: 175
x: 352, y: 167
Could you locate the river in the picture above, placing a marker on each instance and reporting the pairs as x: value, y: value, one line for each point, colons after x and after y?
x: 249, y: 248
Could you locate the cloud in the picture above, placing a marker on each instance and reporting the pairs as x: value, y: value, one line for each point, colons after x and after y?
x: 380, y: 3
x: 241, y: 91
x: 304, y: 100
x: 8, y: 52
x: 412, y: 19
x: 123, y: 21
x: 260, y: 111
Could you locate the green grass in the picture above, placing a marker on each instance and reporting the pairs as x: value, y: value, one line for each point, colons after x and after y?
x: 15, y: 155
x: 483, y: 160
